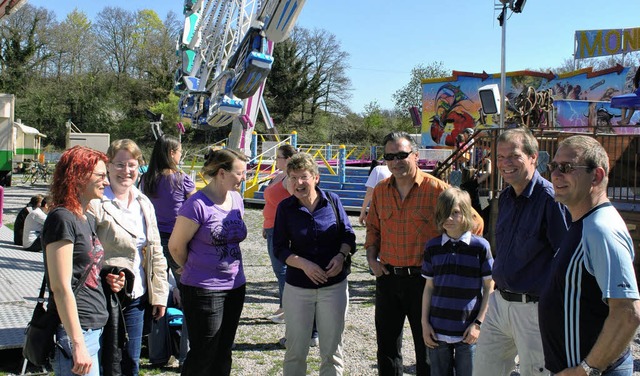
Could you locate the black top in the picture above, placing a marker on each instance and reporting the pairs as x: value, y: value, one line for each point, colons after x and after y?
x: 61, y: 224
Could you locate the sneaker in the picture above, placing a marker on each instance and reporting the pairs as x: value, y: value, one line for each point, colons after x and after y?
x: 277, y: 318
x: 173, y: 362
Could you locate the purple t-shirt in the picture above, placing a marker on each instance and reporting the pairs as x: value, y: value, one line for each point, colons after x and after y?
x: 171, y: 192
x: 214, y: 260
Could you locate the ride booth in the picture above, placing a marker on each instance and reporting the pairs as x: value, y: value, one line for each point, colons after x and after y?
x: 27, y: 145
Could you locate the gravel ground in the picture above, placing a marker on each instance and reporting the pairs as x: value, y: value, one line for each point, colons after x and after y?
x: 257, y: 351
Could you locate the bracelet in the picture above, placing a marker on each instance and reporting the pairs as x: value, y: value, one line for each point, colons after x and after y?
x: 345, y: 255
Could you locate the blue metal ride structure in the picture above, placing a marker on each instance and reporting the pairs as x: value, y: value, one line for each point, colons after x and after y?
x: 225, y: 52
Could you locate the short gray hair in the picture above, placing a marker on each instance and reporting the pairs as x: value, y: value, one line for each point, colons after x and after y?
x: 589, y: 151
x: 529, y: 142
x: 302, y: 162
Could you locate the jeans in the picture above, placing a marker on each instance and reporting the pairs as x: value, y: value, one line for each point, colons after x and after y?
x: 62, y: 361
x: 279, y: 268
x: 173, y: 265
x: 397, y: 298
x: 328, y: 305
x: 212, y: 317
x: 448, y: 355
x: 625, y: 368
x: 134, y: 320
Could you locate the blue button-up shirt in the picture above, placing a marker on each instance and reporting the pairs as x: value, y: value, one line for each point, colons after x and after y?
x: 316, y: 236
x: 529, y: 230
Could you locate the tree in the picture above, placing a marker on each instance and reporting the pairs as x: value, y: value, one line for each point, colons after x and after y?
x: 411, y: 94
x: 114, y: 29
x: 72, y: 43
x: 329, y: 84
x: 287, y: 86
x: 24, y: 38
x: 155, y: 48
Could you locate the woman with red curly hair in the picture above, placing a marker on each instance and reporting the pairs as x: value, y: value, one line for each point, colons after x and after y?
x: 73, y: 259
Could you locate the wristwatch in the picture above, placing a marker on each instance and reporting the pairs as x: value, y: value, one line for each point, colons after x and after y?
x: 477, y: 322
x: 590, y: 370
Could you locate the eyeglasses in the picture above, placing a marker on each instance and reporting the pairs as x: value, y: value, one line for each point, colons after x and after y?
x: 121, y: 166
x: 302, y: 178
x: 101, y: 177
x: 565, y: 168
x: 399, y: 155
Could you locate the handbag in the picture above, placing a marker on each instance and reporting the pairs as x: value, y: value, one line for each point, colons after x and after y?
x: 39, y: 335
x: 347, y: 260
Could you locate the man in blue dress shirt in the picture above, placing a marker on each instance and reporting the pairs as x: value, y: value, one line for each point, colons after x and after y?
x: 529, y: 230
x: 590, y: 307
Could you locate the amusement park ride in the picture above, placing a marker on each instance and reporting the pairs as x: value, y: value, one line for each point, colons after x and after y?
x: 225, y: 51
x: 9, y: 6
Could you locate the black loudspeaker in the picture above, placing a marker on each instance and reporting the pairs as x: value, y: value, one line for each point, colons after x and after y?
x: 490, y: 99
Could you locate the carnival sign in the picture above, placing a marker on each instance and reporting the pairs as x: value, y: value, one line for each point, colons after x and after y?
x: 592, y: 43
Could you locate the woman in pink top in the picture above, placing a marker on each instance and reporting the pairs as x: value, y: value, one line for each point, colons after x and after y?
x: 273, y: 194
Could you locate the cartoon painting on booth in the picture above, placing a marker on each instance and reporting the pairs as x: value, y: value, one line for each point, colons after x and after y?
x: 452, y: 104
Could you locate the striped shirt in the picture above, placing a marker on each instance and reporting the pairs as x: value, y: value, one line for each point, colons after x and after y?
x: 398, y: 228
x: 458, y: 269
x: 593, y: 264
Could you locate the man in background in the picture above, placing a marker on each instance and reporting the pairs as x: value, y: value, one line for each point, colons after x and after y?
x: 18, y: 226
x: 33, y: 227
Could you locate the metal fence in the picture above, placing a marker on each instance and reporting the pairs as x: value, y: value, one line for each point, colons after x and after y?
x: 623, y: 150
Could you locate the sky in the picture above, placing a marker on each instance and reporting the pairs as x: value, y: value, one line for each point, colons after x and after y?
x: 386, y: 39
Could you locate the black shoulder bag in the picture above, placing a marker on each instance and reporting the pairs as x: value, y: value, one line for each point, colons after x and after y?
x: 347, y: 259
x: 39, y: 339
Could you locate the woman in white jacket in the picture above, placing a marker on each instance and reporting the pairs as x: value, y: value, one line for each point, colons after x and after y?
x: 127, y: 228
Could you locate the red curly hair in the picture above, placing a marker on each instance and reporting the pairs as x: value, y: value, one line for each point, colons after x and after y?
x: 71, y: 176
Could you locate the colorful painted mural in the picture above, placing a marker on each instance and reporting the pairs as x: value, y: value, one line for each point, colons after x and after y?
x: 451, y: 104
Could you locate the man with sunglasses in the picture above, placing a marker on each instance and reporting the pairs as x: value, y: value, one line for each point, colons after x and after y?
x: 400, y: 222
x: 529, y: 229
x: 589, y: 308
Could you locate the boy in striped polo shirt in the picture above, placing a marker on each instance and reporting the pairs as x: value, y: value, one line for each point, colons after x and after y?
x: 457, y: 267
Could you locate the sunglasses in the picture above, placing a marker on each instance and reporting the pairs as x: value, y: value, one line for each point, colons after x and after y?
x: 565, y: 168
x: 399, y: 155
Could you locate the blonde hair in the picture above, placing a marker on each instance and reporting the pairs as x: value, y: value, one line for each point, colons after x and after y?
x: 124, y: 144
x: 447, y: 200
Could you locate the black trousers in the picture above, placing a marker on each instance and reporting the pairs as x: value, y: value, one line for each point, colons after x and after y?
x: 397, y: 298
x: 212, y: 321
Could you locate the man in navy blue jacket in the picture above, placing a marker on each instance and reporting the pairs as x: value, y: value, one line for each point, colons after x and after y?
x: 529, y: 230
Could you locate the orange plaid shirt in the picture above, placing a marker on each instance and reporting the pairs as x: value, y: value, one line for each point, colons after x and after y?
x: 400, y: 229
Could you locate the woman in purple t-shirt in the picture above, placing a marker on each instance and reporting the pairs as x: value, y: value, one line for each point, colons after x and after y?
x: 167, y: 187
x: 206, y: 243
